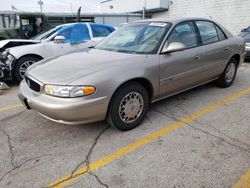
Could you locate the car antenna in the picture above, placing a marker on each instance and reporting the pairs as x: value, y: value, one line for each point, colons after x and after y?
x: 78, y: 14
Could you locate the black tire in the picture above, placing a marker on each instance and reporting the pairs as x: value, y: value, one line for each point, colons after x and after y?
x: 223, y: 81
x: 137, y: 92
x: 20, y: 62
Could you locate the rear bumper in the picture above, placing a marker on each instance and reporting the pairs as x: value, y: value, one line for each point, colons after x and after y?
x: 65, y: 110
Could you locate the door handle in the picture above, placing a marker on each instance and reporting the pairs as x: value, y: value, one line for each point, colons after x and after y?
x: 197, y: 57
x: 227, y: 48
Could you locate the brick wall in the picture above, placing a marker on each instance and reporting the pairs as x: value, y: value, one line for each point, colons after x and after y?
x: 232, y: 14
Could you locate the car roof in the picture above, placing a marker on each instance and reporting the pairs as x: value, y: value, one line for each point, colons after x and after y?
x: 70, y: 24
x: 174, y: 21
x: 78, y: 23
x: 179, y: 20
x: 99, y: 24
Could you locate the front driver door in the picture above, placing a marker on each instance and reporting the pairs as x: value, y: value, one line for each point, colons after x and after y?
x: 181, y: 70
x: 80, y: 37
x: 60, y: 48
x: 76, y: 38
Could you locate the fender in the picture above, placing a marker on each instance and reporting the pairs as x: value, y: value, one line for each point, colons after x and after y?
x: 36, y: 49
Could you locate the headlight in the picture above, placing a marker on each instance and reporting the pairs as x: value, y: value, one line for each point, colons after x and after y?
x: 5, y: 54
x: 69, y: 91
x: 10, y: 57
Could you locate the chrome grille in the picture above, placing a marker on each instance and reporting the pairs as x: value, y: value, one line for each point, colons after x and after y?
x: 33, y: 85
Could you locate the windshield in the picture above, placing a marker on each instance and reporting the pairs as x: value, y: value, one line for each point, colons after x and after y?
x: 143, y: 38
x: 46, y: 34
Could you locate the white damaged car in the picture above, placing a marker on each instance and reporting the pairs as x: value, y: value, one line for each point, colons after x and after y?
x: 60, y: 40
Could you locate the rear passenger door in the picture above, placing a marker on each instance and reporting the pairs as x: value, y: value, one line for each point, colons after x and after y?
x: 216, y: 49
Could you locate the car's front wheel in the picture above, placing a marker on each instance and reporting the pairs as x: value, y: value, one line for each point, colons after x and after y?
x: 22, y: 65
x: 128, y: 106
x: 228, y: 76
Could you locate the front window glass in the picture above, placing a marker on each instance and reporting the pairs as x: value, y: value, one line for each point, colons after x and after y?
x: 76, y: 34
x: 207, y: 31
x: 136, y: 38
x: 184, y: 33
x: 67, y: 34
x: 80, y: 33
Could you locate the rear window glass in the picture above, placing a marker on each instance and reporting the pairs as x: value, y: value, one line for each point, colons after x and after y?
x: 100, y: 31
x: 208, y: 32
x: 221, y: 34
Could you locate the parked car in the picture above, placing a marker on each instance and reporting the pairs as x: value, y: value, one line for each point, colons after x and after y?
x: 63, y: 39
x: 21, y: 25
x: 247, y: 43
x: 140, y: 63
x: 245, y: 33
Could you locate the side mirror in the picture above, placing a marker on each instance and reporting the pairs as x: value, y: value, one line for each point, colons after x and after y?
x: 243, y: 30
x: 59, y: 39
x: 173, y: 47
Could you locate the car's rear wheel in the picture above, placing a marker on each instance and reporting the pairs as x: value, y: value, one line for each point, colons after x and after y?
x: 228, y: 76
x: 128, y: 106
x: 22, y: 65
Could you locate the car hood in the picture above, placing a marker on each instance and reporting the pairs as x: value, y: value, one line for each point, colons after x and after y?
x: 65, y: 69
x: 4, y: 44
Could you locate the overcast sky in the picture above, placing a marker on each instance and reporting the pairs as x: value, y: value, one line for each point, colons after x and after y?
x: 52, y: 5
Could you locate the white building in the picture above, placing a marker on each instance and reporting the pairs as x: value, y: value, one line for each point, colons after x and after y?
x: 233, y: 14
x: 126, y: 6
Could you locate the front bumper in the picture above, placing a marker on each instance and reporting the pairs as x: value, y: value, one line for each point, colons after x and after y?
x: 6, y: 68
x: 65, y: 110
x: 247, y: 54
x: 3, y: 70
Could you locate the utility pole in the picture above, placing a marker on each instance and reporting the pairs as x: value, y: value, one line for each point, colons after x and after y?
x: 71, y: 8
x: 144, y: 8
x: 40, y: 3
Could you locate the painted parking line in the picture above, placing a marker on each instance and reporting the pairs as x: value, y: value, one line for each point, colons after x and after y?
x: 244, y: 181
x: 66, y: 180
x: 12, y: 107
